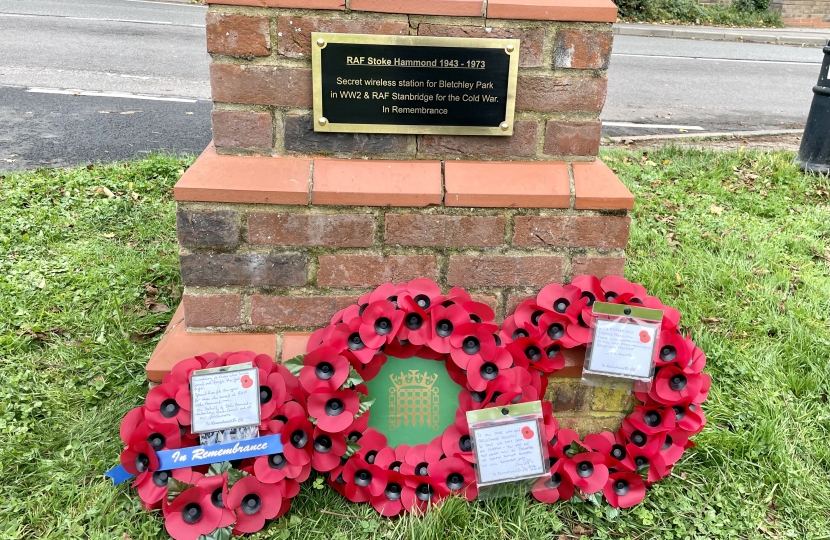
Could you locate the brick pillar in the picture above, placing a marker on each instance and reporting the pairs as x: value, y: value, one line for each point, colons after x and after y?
x: 281, y: 226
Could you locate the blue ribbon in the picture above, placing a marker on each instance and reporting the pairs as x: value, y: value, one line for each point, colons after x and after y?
x: 194, y: 456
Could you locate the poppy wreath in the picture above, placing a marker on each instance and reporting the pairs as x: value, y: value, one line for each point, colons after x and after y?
x: 224, y: 498
x: 497, y: 366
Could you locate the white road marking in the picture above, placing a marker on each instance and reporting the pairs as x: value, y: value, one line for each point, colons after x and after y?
x: 788, y: 62
x: 652, y: 126
x: 171, y: 4
x: 71, y: 92
x: 162, y: 23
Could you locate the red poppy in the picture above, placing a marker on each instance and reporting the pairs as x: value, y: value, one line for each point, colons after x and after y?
x: 129, y: 423
x: 216, y: 488
x: 191, y: 515
x: 324, y: 370
x: 479, y: 312
x: 676, y: 442
x: 160, y: 437
x: 426, y: 491
x: 380, y: 323
x: 363, y: 481
x: 371, y: 442
x: 472, y: 341
x: 327, y: 449
x: 528, y: 313
x: 689, y: 417
x: 390, y: 502
x: 347, y: 340
x: 557, y: 298
x: 296, y: 440
x: 556, y: 487
x: 587, y: 471
x: 657, y: 467
x: 181, y: 372
x: 445, y: 322
x: 275, y: 468
x: 139, y: 457
x: 672, y: 386
x: 334, y: 411
x: 624, y: 489
x: 590, y: 287
x: 417, y: 324
x: 417, y: 459
x: 647, y: 443
x: 671, y: 347
x: 613, y: 448
x: 254, y: 502
x: 163, y: 407
x: 425, y: 292
x: 553, y: 330
x: 480, y: 370
x: 671, y: 316
x: 653, y: 420
x: 458, y: 476
x: 560, y: 447
x: 152, y: 485
x: 456, y: 441
x: 401, y: 348
x: 547, y: 360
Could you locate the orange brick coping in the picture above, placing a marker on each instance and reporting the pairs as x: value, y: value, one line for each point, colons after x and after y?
x: 416, y: 183
x: 542, y: 10
x: 177, y: 344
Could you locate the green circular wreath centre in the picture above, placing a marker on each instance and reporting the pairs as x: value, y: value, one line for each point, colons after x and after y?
x: 415, y: 400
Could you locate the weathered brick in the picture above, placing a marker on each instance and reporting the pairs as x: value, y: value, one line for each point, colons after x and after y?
x: 513, y: 301
x: 373, y: 270
x: 238, y: 35
x: 572, y: 138
x: 607, y: 399
x: 504, y: 271
x: 297, y: 310
x: 568, y: 395
x: 561, y: 94
x: 200, y: 228
x: 255, y: 269
x: 444, y: 231
x: 238, y: 129
x: 205, y: 310
x: 584, y: 423
x: 294, y: 33
x: 597, y: 266
x: 582, y: 49
x: 571, y: 231
x: 522, y: 143
x: 301, y: 137
x: 261, y: 85
x: 346, y: 230
x: 530, y: 52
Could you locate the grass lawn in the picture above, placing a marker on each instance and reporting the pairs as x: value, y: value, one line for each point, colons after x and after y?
x: 739, y: 242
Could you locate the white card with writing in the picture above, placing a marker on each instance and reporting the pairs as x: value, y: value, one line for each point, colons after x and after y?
x: 509, y: 451
x: 224, y: 398
x: 622, y: 348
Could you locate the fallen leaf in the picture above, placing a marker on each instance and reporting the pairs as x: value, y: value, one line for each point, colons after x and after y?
x: 150, y: 289
x: 715, y: 209
x: 108, y: 193
x: 143, y: 337
x: 158, y: 308
x: 108, y: 235
x: 134, y: 195
x: 713, y: 320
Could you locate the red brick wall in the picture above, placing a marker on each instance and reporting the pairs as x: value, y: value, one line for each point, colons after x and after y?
x: 261, y: 81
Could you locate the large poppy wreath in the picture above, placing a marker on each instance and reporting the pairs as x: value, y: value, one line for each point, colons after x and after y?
x: 319, y: 404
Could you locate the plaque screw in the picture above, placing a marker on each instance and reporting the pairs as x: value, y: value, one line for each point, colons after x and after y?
x: 323, y: 121
x: 321, y: 42
x: 510, y: 48
x: 504, y: 126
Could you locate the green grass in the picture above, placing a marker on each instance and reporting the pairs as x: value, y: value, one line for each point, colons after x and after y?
x: 740, y: 13
x: 739, y: 242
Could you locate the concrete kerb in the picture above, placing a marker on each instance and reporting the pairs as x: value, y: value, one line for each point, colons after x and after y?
x: 755, y: 35
x: 705, y: 135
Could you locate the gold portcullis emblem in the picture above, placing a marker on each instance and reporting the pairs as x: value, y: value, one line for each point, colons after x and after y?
x: 413, y: 400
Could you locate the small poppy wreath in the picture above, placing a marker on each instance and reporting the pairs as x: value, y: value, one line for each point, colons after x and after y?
x: 319, y: 405
x: 224, y: 498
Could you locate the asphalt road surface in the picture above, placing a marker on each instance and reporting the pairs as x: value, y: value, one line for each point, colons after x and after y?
x: 72, y: 73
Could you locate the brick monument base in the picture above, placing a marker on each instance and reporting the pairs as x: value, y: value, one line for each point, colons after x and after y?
x: 280, y: 226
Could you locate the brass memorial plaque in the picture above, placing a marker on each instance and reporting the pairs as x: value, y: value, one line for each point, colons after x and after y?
x: 414, y: 85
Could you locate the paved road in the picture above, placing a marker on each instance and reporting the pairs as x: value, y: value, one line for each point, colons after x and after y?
x: 158, y: 49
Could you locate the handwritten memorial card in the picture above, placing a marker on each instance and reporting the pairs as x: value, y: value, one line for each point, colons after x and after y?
x: 508, y: 452
x: 224, y: 398
x: 622, y: 348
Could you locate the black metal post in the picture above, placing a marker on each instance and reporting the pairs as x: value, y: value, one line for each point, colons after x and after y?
x: 814, y: 153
